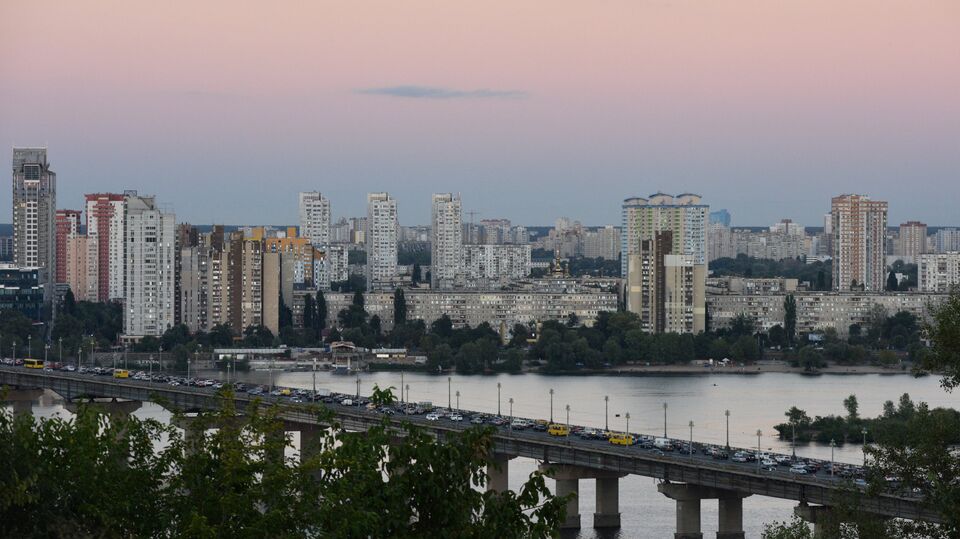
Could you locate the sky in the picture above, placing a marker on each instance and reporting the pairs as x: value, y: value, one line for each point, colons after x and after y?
x: 225, y: 109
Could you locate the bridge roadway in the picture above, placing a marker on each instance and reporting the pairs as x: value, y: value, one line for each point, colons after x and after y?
x: 685, y: 478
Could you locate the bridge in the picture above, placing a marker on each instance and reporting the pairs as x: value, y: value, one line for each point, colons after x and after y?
x: 685, y: 477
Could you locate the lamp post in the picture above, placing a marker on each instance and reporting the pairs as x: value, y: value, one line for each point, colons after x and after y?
x: 449, y: 404
x: 458, y: 400
x: 60, y: 340
x: 568, y: 418
x: 14, y: 351
x: 727, y: 413
x: 628, y: 422
x: 864, y: 447
x: 46, y: 350
x: 691, y: 438
x: 511, y: 413
x: 664, y: 420
x: 124, y: 355
x: 161, y: 361
x: 29, y: 345
x: 358, y: 391
x: 551, y: 405
x: 188, y: 369
x: 498, y: 399
x: 314, y: 378
x: 408, y: 392
x: 606, y: 412
x: 833, y: 444
x: 79, y: 357
x: 759, y: 433
x: 402, y: 401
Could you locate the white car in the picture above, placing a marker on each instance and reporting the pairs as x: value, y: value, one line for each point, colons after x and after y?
x: 768, y: 463
x: 432, y: 417
x: 456, y: 417
x: 799, y: 470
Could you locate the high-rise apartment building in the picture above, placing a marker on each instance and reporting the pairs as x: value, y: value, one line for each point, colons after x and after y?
x: 149, y: 260
x: 664, y: 260
x: 34, y: 209
x: 912, y: 241
x: 859, y: 252
x: 67, y: 226
x: 333, y: 267
x: 106, y: 239
x: 938, y: 272
x: 685, y: 216
x: 946, y: 240
x: 381, y: 240
x: 446, y: 241
x: 315, y: 218
x: 720, y: 217
x: 486, y: 264
x: 76, y: 272
x: 667, y: 291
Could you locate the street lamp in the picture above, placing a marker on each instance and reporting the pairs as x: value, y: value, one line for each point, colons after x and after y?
x: 60, y: 340
x: 401, y: 381
x: 449, y: 382
x: 188, y: 369
x: 691, y: 438
x: 606, y: 412
x: 498, y: 399
x: 46, y: 350
x: 408, y: 392
x: 727, y: 413
x: 551, y: 405
x: 568, y: 419
x: 458, y: 400
x: 511, y: 413
x: 664, y: 420
x: 759, y: 433
x: 14, y: 351
x: 833, y: 444
x: 628, y: 422
x: 79, y: 357
x: 29, y: 345
x: 314, y: 377
x: 358, y: 391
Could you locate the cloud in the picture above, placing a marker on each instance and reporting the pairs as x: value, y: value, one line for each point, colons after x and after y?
x: 430, y: 92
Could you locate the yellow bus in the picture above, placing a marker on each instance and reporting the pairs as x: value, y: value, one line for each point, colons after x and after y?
x: 33, y: 363
x: 121, y: 373
x: 621, y: 439
x: 558, y: 430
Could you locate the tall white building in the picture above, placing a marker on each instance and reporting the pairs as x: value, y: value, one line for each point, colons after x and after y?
x: 446, y: 240
x: 684, y: 215
x: 315, y: 218
x: 859, y: 227
x: 381, y: 240
x: 938, y: 272
x: 333, y: 267
x: 149, y: 267
x: 947, y: 240
x: 34, y: 210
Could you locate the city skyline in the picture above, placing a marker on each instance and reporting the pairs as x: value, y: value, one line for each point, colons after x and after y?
x: 765, y: 110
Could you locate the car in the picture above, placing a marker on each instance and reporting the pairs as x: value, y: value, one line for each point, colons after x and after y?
x: 799, y: 470
x: 456, y: 417
x: 739, y: 457
x: 768, y: 463
x: 518, y: 424
x: 477, y: 420
x: 556, y: 429
x: 432, y: 416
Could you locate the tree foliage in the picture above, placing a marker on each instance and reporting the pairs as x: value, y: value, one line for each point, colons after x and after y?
x: 93, y: 477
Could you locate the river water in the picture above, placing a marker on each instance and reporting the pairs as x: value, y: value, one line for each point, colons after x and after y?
x: 755, y: 402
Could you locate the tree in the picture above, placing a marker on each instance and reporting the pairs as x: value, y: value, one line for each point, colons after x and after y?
x: 309, y: 312
x: 399, y: 307
x: 777, y: 336
x: 852, y: 407
x: 417, y: 275
x: 794, y: 529
x: 320, y: 320
x: 69, y: 303
x: 790, y: 318
x: 892, y: 282
x: 233, y: 481
x: 358, y: 298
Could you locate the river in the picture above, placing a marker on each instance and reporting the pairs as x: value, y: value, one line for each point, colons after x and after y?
x: 755, y: 402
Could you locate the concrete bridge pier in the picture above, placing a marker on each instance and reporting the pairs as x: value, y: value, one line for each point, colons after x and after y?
x: 115, y: 409
x: 825, y: 525
x: 22, y: 400
x: 497, y: 472
x: 568, y: 483
x: 688, y: 499
x: 607, y: 512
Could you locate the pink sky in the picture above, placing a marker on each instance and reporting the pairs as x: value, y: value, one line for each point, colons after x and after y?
x: 793, y: 101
